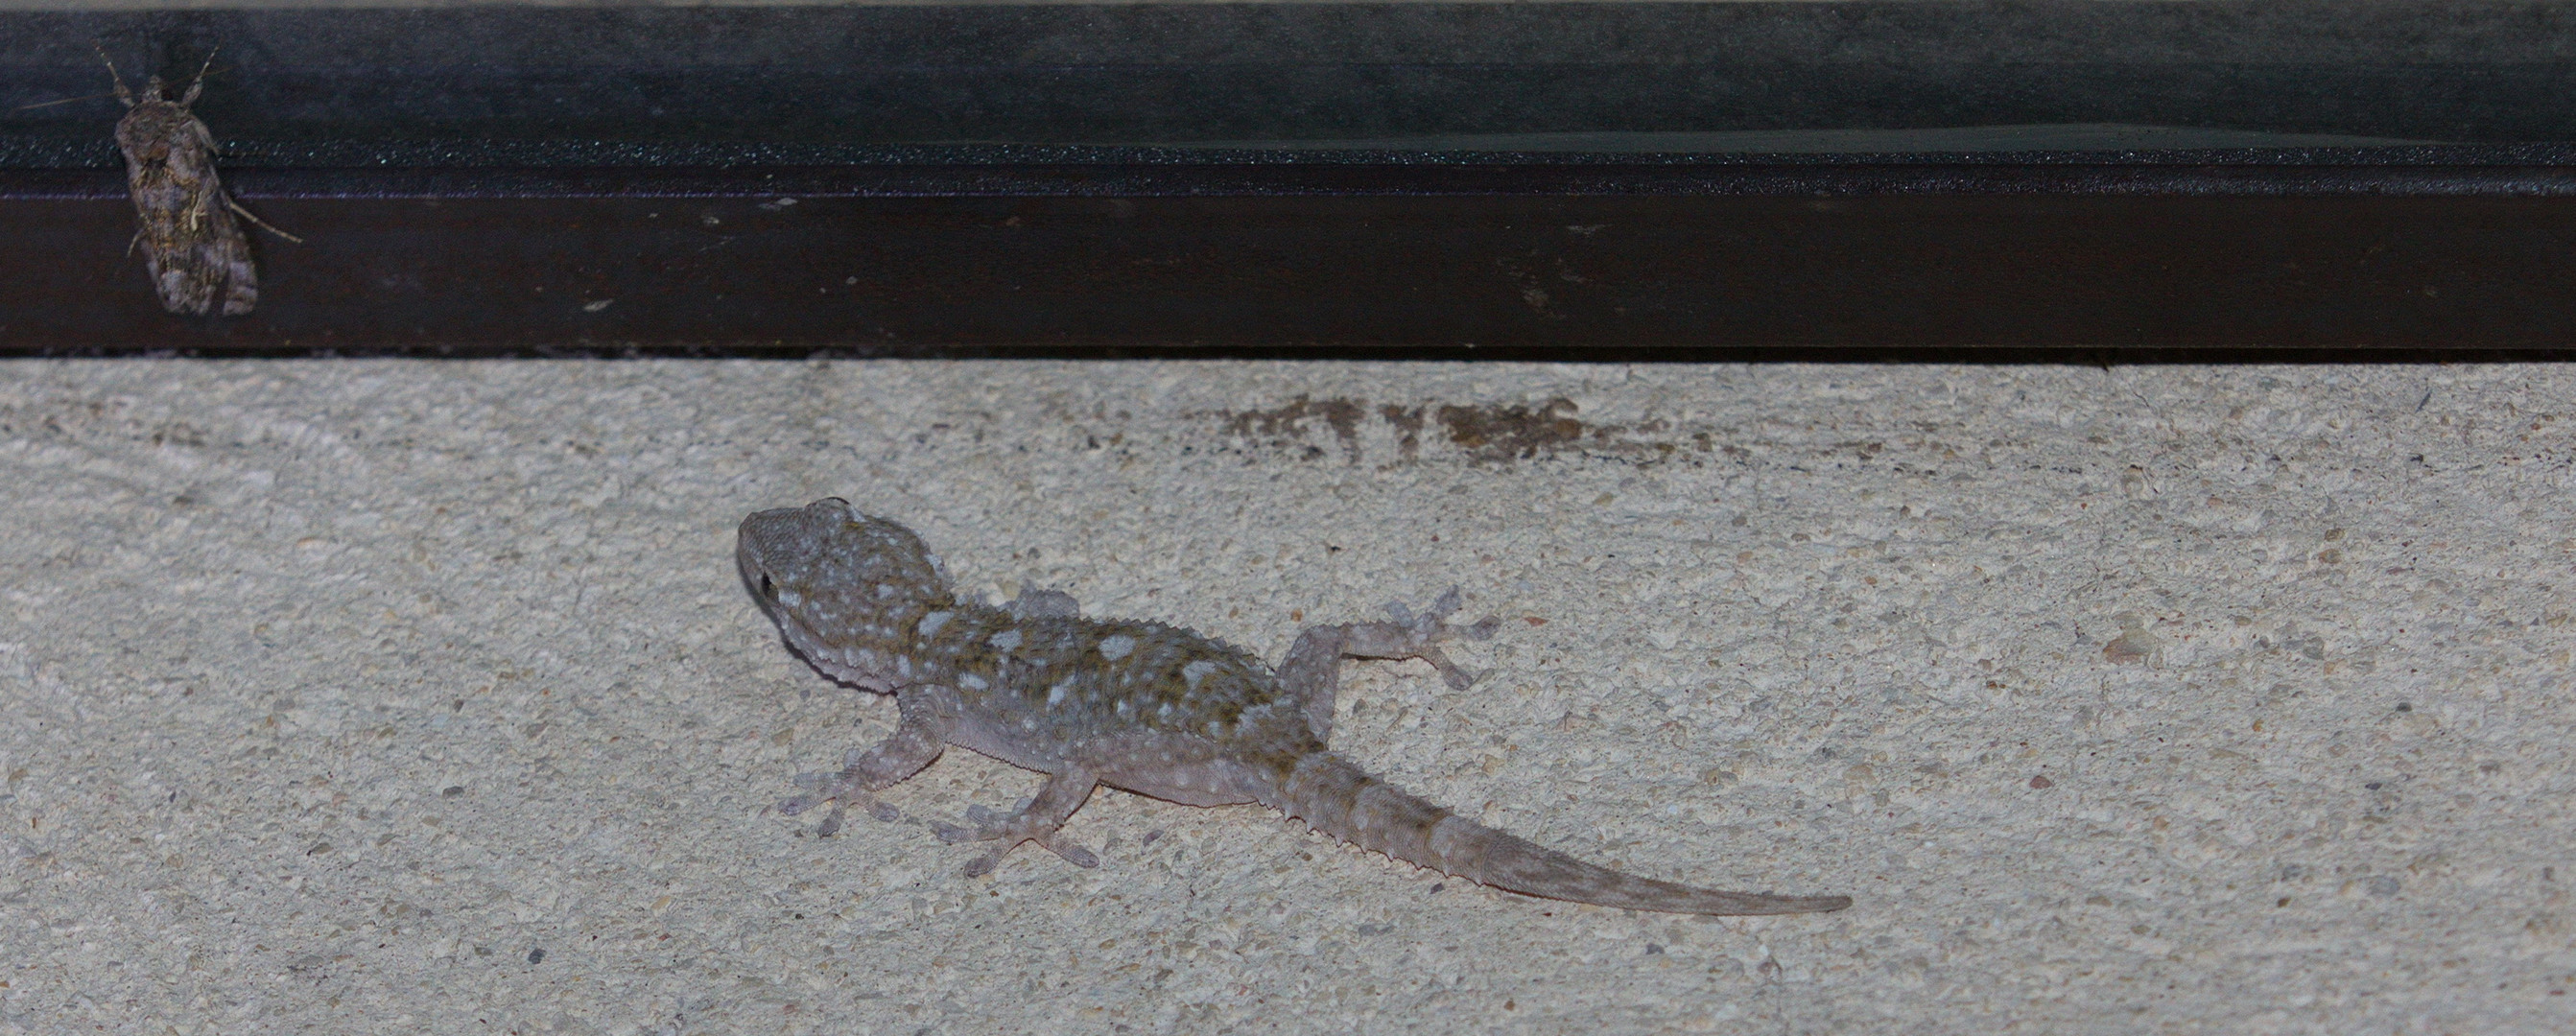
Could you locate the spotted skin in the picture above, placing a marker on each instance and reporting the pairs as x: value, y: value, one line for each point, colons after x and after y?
x: 1141, y: 706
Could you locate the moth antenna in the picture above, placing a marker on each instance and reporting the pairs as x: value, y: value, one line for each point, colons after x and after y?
x: 263, y: 224
x: 198, y: 85
x: 122, y: 94
x: 67, y: 100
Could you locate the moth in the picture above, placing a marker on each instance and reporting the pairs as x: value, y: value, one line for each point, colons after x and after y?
x: 183, y: 219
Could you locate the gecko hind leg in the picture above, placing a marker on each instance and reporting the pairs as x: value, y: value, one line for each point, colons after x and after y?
x: 1416, y: 636
x: 1311, y: 672
x: 1037, y: 821
x: 914, y: 744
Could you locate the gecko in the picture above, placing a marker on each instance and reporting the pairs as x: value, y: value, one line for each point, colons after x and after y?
x: 1137, y: 705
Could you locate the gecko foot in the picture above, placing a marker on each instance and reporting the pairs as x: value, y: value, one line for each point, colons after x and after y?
x: 1432, y: 625
x: 842, y: 790
x: 1416, y: 636
x: 1010, y: 830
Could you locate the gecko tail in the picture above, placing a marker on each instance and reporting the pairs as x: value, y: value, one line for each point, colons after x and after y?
x: 1341, y: 800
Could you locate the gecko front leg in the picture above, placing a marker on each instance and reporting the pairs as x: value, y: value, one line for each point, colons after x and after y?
x: 917, y: 742
x: 1036, y: 822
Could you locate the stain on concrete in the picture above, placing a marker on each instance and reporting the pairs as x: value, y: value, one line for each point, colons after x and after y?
x: 1513, y: 432
x: 1284, y: 426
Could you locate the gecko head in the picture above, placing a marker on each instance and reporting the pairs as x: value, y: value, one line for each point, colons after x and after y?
x: 824, y: 571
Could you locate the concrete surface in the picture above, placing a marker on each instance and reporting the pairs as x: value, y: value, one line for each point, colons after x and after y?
x: 422, y: 697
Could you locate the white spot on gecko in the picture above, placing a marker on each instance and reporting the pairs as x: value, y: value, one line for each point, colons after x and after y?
x: 930, y: 623
x: 1197, y: 671
x: 1116, y: 646
x: 1056, y: 694
x: 973, y: 682
x: 1005, y: 640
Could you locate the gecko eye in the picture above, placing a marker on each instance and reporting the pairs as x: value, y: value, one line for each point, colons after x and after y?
x: 768, y: 589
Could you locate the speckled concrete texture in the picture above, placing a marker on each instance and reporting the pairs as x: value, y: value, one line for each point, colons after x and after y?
x: 380, y: 696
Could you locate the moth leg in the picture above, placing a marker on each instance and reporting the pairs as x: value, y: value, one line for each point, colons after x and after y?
x: 1035, y: 822
x: 917, y: 742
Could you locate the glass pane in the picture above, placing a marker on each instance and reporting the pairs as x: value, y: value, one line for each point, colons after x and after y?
x: 1296, y: 82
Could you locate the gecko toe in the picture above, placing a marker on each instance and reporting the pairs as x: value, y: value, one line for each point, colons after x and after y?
x: 1073, y: 854
x: 953, y: 834
x: 842, y: 793
x: 984, y: 864
x: 1010, y: 831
